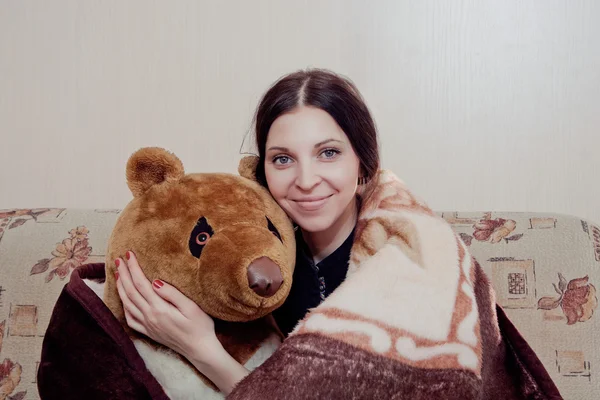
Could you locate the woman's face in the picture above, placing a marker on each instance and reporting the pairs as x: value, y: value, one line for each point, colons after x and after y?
x: 311, y: 168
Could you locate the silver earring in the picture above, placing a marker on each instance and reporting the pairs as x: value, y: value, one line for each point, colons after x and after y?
x: 362, y: 180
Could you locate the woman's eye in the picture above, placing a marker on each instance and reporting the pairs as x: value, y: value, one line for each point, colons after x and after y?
x: 202, y: 238
x: 281, y: 160
x: 330, y: 153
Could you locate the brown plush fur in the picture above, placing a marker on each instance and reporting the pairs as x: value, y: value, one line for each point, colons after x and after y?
x: 156, y: 225
x: 151, y: 166
x: 247, y: 167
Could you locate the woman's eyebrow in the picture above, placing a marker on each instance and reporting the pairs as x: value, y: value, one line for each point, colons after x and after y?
x: 278, y: 148
x: 327, y: 141
x: 321, y: 143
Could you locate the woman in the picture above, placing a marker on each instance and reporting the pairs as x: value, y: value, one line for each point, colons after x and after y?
x: 317, y: 142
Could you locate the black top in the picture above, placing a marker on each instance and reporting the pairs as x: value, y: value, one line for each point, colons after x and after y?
x: 312, y: 283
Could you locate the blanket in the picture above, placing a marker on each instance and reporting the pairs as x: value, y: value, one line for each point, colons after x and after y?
x: 86, y: 353
x: 416, y: 318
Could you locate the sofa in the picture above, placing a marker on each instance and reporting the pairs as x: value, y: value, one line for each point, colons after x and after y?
x: 544, y: 269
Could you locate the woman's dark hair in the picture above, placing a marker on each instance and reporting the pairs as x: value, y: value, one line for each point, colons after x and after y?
x: 333, y: 94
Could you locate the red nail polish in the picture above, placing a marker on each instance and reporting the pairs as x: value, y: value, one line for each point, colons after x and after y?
x: 127, y: 255
x: 116, y: 276
x: 158, y: 283
x: 117, y: 262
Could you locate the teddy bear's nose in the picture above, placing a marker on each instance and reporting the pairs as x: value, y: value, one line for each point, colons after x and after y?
x: 264, y: 277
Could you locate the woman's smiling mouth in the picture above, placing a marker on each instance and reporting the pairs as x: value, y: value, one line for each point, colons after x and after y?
x: 312, y: 203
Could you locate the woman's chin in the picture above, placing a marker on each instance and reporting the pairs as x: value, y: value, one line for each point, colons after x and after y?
x: 314, y: 224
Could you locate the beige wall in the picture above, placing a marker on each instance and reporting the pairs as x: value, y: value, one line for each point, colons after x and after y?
x: 481, y: 105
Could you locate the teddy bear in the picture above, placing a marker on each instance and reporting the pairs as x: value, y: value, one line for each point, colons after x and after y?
x: 222, y: 241
x: 219, y: 238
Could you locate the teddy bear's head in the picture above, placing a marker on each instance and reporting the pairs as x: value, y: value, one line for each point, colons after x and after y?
x: 218, y: 238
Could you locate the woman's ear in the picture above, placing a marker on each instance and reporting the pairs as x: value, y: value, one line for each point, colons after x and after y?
x: 247, y: 167
x: 151, y: 166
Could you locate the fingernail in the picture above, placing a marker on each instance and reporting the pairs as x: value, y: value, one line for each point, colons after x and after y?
x: 158, y: 283
x: 127, y: 255
x: 116, y: 276
x: 117, y: 262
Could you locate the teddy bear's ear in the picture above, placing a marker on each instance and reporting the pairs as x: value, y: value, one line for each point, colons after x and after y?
x: 151, y: 166
x: 247, y: 167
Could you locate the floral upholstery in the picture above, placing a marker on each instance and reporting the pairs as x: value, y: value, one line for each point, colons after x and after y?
x: 543, y: 267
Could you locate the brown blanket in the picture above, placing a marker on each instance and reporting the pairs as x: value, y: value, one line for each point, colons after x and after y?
x: 86, y: 353
x: 415, y: 319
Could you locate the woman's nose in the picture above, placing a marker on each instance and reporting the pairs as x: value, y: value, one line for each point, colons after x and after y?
x: 307, y: 178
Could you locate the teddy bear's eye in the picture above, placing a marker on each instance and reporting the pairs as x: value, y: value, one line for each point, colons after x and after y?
x: 199, y: 237
x: 202, y: 238
x: 273, y: 229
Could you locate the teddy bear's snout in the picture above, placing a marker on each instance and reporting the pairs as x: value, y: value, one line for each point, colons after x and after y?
x: 264, y: 277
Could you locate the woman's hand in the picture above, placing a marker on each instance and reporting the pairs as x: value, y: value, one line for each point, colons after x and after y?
x: 163, y: 313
